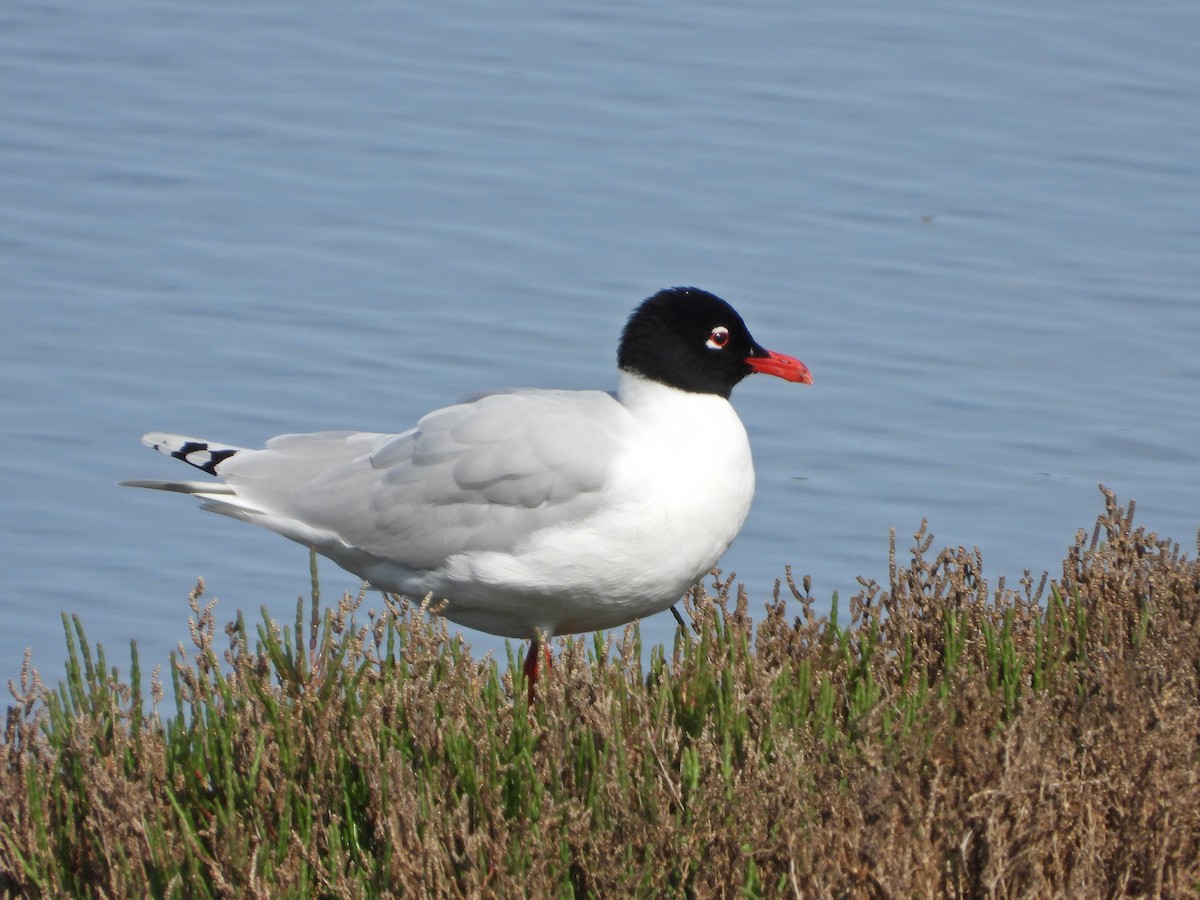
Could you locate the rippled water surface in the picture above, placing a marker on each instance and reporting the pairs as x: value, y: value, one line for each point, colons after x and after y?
x: 979, y: 226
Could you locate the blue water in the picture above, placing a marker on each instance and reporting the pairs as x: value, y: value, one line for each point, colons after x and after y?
x: 978, y: 225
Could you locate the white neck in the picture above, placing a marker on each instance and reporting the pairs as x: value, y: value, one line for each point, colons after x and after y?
x: 637, y: 391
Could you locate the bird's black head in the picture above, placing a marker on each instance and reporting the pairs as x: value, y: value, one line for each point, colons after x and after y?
x: 695, y: 341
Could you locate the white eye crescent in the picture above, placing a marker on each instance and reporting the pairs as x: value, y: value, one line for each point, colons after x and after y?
x: 717, y: 338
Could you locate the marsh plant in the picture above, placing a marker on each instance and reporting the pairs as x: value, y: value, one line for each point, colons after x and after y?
x: 936, y: 736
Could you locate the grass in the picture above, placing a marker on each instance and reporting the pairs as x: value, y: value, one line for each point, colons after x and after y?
x: 935, y: 736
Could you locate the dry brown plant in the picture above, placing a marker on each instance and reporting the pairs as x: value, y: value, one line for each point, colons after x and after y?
x: 939, y: 736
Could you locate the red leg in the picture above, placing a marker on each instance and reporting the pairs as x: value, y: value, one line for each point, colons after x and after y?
x: 532, y: 667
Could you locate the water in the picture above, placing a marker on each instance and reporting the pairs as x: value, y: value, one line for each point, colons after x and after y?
x: 979, y: 226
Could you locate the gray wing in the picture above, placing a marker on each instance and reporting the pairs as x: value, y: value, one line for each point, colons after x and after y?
x: 477, y: 476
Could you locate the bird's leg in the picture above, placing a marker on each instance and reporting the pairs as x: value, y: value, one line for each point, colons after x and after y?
x: 678, y: 617
x: 532, y: 667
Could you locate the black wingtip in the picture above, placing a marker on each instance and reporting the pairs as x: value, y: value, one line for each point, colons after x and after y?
x: 198, y: 454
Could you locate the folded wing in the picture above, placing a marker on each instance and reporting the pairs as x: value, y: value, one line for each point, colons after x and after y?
x: 483, y: 475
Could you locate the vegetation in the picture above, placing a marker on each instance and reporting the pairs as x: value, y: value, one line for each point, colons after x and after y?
x: 937, y: 737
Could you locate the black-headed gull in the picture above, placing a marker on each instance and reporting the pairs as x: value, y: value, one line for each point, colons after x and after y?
x: 533, y: 512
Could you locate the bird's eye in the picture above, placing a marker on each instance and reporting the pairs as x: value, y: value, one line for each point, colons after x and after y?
x: 717, y: 338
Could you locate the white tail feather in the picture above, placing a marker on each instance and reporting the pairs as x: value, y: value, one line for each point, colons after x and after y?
x: 200, y: 488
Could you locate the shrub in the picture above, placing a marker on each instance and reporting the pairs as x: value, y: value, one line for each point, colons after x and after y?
x: 937, y: 737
